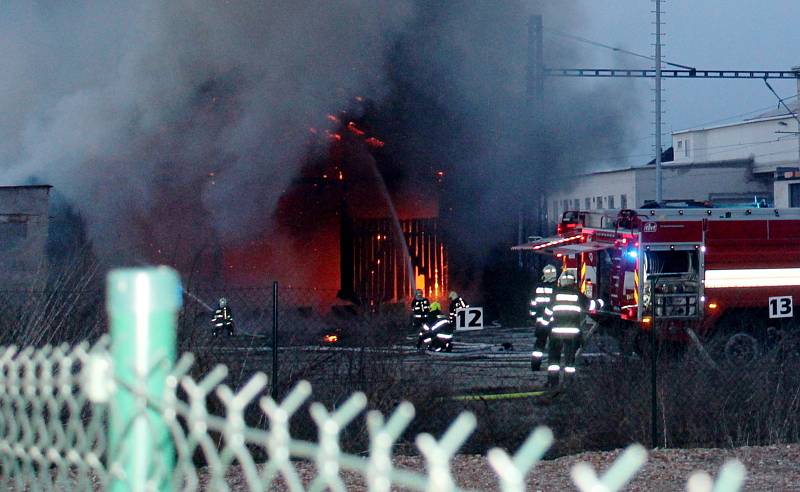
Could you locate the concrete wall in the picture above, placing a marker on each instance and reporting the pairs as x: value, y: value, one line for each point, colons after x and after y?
x: 23, y: 235
x: 781, y: 191
x: 756, y: 139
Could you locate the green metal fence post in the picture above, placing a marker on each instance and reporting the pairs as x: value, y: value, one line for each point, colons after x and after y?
x: 142, y: 305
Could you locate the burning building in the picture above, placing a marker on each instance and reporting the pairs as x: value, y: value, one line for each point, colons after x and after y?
x: 346, y: 230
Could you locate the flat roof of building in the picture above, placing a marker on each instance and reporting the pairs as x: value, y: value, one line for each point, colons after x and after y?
x: 674, y: 165
x: 8, y: 187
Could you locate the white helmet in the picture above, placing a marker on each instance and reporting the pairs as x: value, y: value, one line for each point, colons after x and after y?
x: 549, y: 273
x: 223, y: 302
x: 566, y: 279
x: 453, y: 295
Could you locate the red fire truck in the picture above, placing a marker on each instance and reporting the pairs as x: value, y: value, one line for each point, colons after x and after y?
x: 727, y: 275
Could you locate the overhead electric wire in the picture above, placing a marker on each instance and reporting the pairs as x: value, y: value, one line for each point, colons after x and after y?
x: 696, y: 126
x: 710, y: 147
x: 748, y: 113
x: 781, y: 101
x: 612, y: 48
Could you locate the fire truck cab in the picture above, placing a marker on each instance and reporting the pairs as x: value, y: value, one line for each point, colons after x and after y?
x: 700, y: 272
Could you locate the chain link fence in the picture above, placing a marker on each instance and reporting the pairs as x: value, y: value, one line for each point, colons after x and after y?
x: 126, y: 414
x: 728, y: 379
x: 704, y: 396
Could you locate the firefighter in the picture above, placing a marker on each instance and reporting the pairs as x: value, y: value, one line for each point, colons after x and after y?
x: 420, y: 307
x: 541, y: 311
x: 565, y: 331
x: 456, y: 303
x: 436, y: 331
x: 222, y: 319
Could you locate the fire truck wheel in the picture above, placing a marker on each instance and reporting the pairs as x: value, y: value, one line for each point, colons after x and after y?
x: 741, y: 349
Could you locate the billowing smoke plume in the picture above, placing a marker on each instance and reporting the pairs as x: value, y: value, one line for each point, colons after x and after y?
x: 175, y: 125
x: 459, y: 74
x: 179, y: 122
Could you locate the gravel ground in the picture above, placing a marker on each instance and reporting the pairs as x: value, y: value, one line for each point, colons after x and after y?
x: 769, y: 468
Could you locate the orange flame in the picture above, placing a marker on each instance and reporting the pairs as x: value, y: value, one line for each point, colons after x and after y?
x: 355, y: 129
x: 374, y: 142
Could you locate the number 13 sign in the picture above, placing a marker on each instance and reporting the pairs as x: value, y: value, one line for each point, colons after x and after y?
x: 780, y: 307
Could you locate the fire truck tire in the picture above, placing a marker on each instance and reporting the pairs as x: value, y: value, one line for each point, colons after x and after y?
x: 741, y: 349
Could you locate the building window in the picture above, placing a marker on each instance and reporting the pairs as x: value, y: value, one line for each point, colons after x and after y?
x: 794, y: 195
x: 576, y: 204
x: 588, y: 203
x: 686, y: 148
x: 610, y: 201
x: 623, y: 201
x: 598, y: 202
x: 555, y: 211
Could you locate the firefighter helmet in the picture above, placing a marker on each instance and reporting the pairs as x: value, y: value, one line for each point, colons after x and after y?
x: 418, y: 293
x: 453, y: 295
x: 435, y: 306
x: 549, y: 273
x: 223, y: 302
x: 566, y: 279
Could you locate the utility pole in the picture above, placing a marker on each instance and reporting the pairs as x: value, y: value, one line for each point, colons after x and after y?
x: 534, y: 104
x: 659, y: 196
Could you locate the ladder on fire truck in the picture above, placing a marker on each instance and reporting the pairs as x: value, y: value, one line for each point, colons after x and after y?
x: 603, y: 219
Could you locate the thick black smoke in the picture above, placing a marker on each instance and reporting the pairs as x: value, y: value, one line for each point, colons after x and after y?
x: 180, y: 124
x: 459, y: 104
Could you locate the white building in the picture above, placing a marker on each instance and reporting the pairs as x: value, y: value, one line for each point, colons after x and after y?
x: 728, y: 164
x: 724, y: 182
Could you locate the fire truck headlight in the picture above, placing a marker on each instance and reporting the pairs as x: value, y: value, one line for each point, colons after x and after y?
x: 632, y: 254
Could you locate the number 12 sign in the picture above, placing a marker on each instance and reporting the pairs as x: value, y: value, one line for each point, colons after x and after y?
x: 780, y: 307
x: 469, y: 318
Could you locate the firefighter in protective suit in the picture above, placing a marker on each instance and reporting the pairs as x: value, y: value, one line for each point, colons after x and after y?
x: 222, y: 319
x: 456, y: 303
x: 541, y: 311
x: 420, y: 307
x: 436, y: 333
x: 565, y: 331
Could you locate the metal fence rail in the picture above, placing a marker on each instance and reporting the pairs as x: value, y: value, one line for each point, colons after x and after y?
x: 126, y: 414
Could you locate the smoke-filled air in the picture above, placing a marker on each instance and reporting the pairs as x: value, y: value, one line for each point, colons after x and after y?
x: 175, y: 127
